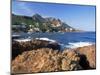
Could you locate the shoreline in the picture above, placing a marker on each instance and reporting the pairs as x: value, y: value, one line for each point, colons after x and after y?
x: 70, y: 45
x: 40, y: 51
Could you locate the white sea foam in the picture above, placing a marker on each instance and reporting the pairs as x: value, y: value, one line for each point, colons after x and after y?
x: 22, y: 40
x: 46, y: 39
x: 78, y: 44
x: 15, y: 35
x: 29, y: 39
x: 69, y: 45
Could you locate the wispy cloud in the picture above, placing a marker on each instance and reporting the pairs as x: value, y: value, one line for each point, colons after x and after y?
x: 21, y: 6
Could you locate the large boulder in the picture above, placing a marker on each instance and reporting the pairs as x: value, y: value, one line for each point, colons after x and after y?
x: 70, y: 60
x: 87, y: 56
x: 45, y: 60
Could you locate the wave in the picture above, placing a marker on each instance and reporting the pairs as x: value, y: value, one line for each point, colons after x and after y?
x: 29, y: 39
x: 70, y: 45
x: 46, y: 39
x: 22, y: 40
x: 78, y: 44
x: 15, y: 35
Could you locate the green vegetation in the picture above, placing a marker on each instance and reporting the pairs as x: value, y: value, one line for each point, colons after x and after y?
x: 43, y: 24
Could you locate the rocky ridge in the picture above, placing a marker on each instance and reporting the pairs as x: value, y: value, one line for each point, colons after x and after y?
x: 45, y: 60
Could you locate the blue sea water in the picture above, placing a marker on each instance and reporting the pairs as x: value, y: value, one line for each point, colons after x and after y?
x: 67, y: 39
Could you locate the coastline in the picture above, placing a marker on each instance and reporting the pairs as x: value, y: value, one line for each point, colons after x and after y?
x: 43, y: 56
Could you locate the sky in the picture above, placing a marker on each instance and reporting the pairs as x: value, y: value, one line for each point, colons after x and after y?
x: 78, y: 16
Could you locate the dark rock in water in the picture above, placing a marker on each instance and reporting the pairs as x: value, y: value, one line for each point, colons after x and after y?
x: 45, y: 60
x: 54, y: 45
x: 19, y: 47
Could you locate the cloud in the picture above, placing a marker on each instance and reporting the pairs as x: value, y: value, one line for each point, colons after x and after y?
x: 23, y: 7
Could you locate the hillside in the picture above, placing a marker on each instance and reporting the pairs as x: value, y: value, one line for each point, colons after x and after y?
x: 48, y: 24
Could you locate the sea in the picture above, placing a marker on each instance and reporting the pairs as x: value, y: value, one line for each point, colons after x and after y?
x: 65, y: 39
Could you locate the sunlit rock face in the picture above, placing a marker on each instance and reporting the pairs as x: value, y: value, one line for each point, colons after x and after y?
x: 45, y: 60
x: 88, y: 56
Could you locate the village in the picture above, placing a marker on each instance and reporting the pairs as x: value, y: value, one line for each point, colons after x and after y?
x: 31, y: 28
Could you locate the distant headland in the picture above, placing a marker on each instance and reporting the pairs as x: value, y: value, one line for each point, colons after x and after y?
x: 37, y: 23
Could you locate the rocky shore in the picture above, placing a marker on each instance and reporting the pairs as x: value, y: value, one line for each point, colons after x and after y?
x: 43, y: 56
x: 19, y: 47
x: 88, y: 56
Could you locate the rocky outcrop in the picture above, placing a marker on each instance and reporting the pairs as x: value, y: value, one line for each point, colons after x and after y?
x: 70, y: 60
x: 87, y: 56
x: 19, y: 47
x: 45, y: 60
x: 43, y: 56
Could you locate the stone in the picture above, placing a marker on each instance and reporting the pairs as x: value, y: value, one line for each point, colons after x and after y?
x: 88, y: 56
x: 20, y: 47
x: 45, y: 60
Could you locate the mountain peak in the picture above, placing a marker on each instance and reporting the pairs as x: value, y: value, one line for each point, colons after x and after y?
x: 38, y: 17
